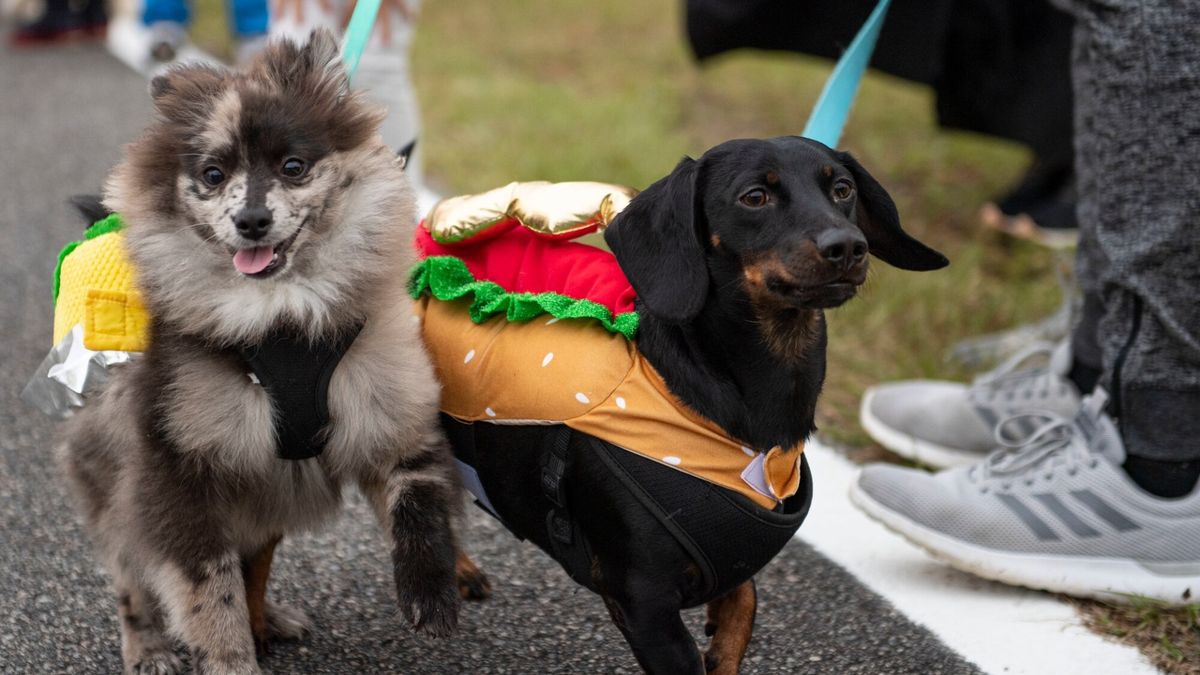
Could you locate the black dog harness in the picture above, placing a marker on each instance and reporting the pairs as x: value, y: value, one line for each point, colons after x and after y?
x: 295, y: 372
x: 728, y: 537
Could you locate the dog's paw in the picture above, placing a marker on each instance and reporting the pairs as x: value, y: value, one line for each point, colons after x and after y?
x: 202, y: 665
x: 158, y: 662
x: 715, y: 665
x: 473, y: 584
x: 431, y: 609
x: 285, y: 622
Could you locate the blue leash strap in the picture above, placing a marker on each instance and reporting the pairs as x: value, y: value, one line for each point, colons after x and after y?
x: 829, y: 115
x: 358, y: 32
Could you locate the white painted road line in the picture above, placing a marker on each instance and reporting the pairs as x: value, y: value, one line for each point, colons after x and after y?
x: 1002, y: 629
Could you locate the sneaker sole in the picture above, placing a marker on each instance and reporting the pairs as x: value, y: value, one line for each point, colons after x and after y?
x: 1023, y: 227
x: 1073, y: 575
x: 909, y: 446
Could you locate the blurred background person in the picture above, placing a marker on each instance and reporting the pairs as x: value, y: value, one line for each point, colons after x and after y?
x: 997, y: 67
x: 148, y: 35
x: 54, y: 21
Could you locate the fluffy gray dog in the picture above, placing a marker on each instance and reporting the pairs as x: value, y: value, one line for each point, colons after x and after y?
x: 271, y: 230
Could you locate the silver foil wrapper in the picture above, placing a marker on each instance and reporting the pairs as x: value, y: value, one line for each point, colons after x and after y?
x: 68, y: 374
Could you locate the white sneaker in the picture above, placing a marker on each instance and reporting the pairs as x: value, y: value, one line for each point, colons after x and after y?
x: 943, y: 424
x: 1055, y: 512
x: 134, y: 44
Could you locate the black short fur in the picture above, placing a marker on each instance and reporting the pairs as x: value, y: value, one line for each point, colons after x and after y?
x: 731, y: 285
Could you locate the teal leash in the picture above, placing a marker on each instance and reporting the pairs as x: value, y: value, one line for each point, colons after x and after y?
x: 829, y: 115
x: 358, y: 32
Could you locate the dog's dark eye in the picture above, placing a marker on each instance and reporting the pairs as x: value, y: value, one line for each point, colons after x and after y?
x: 293, y: 167
x: 212, y: 176
x: 755, y: 199
x: 843, y: 190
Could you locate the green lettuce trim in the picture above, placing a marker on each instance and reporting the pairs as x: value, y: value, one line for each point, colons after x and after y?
x: 447, y: 278
x: 99, y: 228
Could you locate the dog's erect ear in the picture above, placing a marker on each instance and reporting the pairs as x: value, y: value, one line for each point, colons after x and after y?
x: 321, y: 58
x: 314, y: 68
x: 183, y: 94
x: 657, y: 243
x: 879, y: 221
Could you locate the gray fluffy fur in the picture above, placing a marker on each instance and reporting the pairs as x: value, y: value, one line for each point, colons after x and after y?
x: 175, y: 463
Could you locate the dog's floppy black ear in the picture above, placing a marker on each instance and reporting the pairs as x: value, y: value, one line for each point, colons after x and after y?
x: 656, y: 241
x: 879, y: 221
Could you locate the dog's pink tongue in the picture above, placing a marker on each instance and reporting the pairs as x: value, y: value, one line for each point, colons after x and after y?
x: 253, y: 260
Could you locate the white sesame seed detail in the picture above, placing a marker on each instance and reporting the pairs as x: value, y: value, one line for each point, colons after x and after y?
x: 582, y: 397
x: 553, y: 321
x: 621, y: 402
x: 547, y: 359
x: 490, y: 412
x: 470, y: 355
x: 748, y: 451
x: 672, y: 460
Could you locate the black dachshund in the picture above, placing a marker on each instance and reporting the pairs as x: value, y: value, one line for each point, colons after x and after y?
x: 733, y: 257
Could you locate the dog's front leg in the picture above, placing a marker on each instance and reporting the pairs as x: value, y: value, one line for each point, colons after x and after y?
x: 415, y: 504
x: 206, y: 607
x: 144, y: 644
x: 654, y: 630
x: 730, y: 623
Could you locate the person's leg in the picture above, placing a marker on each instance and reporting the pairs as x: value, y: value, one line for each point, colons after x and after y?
x: 166, y: 21
x: 250, y: 19
x: 173, y: 11
x: 1079, y: 505
x: 385, y: 75
x: 1136, y: 88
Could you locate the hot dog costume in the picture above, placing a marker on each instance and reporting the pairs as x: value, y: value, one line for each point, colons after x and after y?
x: 527, y: 327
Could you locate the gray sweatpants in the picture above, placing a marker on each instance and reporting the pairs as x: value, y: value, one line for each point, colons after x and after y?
x: 1136, y: 77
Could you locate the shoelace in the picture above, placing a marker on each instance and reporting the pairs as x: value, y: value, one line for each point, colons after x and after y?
x: 1009, y: 371
x: 1052, y: 438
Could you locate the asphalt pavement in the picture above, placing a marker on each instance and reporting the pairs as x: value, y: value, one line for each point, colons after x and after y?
x: 64, y: 114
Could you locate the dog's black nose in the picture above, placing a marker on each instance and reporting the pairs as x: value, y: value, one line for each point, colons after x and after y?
x: 253, y: 222
x: 842, y: 246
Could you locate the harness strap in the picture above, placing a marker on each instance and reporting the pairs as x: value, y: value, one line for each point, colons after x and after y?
x: 571, y: 548
x: 729, y: 537
x: 295, y: 372
x: 708, y: 574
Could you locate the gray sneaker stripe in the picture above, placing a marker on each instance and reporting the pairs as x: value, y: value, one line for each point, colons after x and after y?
x: 1040, y: 529
x: 989, y: 417
x: 1080, y: 528
x: 1101, y: 508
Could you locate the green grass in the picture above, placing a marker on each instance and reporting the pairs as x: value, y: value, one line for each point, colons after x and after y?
x: 1169, y: 637
x: 575, y: 90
